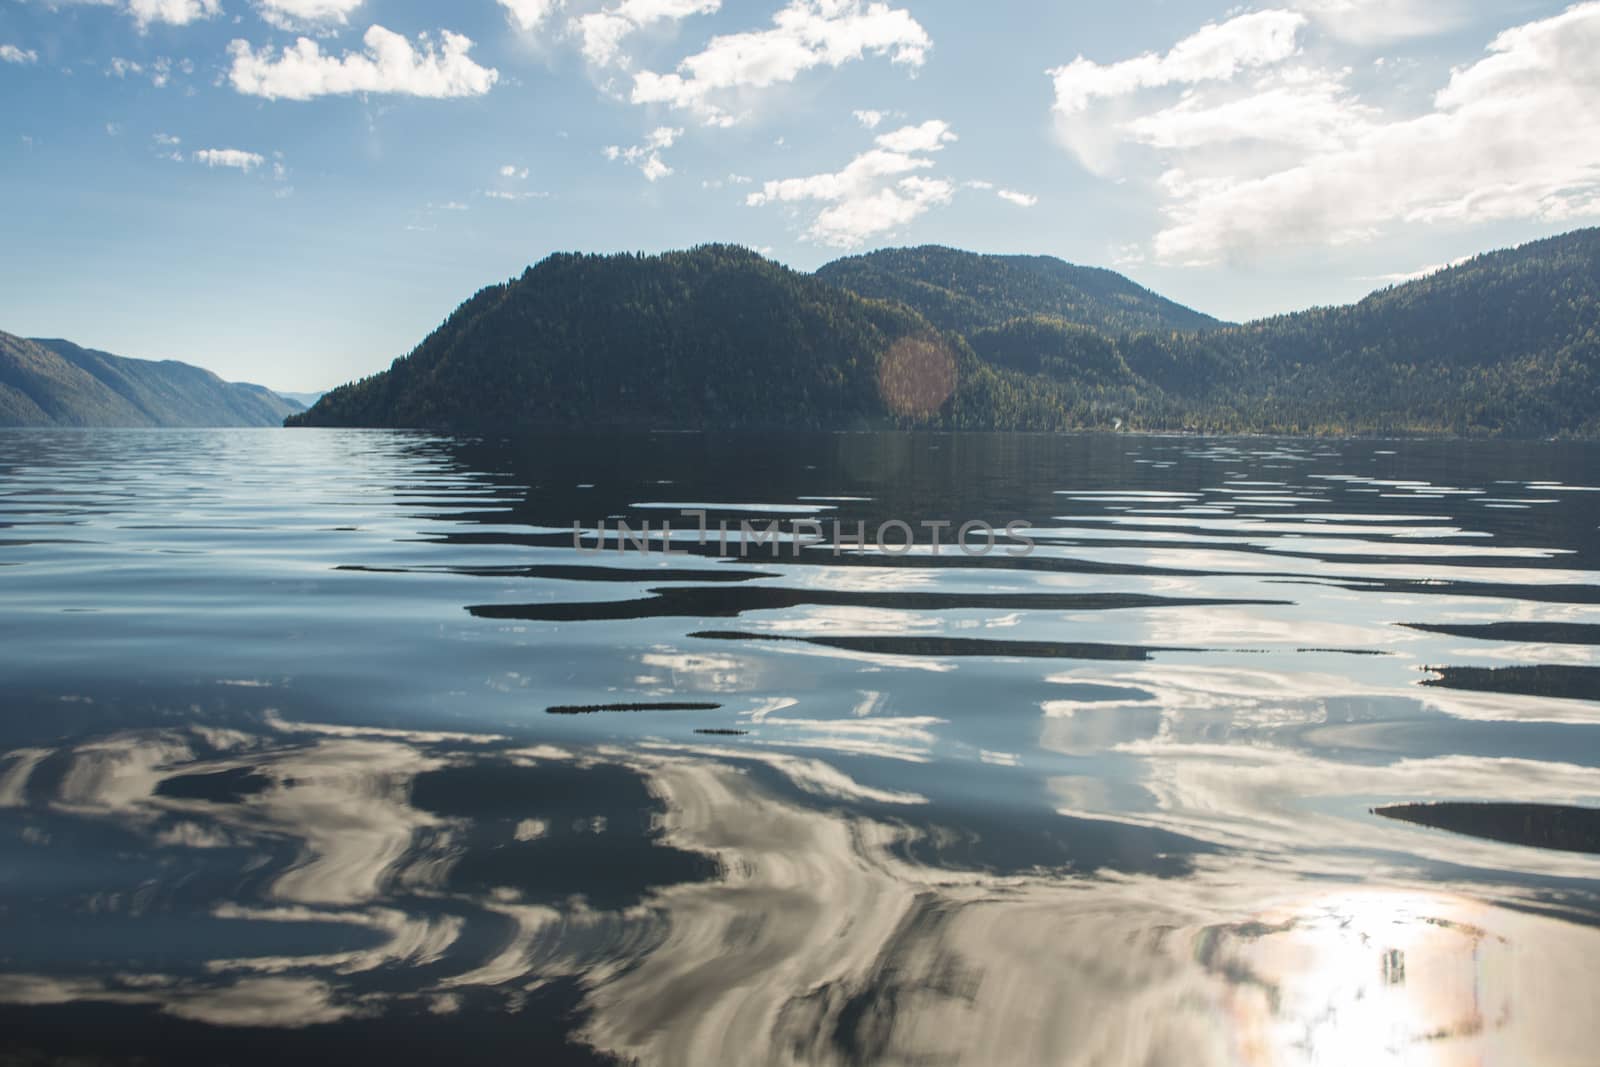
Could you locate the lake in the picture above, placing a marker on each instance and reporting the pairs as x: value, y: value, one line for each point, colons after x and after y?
x: 335, y: 745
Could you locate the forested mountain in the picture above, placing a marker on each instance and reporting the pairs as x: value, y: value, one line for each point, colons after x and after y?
x: 966, y: 291
x: 1508, y: 343
x: 57, y: 383
x: 716, y: 336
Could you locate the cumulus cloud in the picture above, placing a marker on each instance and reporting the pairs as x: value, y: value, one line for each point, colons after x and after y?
x: 10, y: 53
x: 878, y: 191
x: 602, y: 32
x: 1514, y: 136
x: 647, y: 156
x: 388, y: 64
x: 928, y: 137
x: 510, y: 170
x: 146, y: 12
x: 1302, y: 107
x: 805, y: 34
x: 869, y: 118
x: 1011, y: 196
x: 529, y: 15
x: 172, y: 12
x: 1263, y: 153
x: 289, y: 14
x: 1217, y: 52
x: 228, y: 157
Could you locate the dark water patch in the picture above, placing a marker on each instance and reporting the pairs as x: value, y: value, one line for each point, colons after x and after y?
x: 486, y: 1030
x: 1541, y: 633
x: 957, y: 646
x: 722, y: 732
x: 1539, y: 680
x: 1348, y: 651
x: 730, y: 602
x: 559, y: 572
x: 950, y: 558
x: 1552, y: 826
x: 1541, y: 594
x: 554, y: 831
x: 219, y: 787
x: 587, y: 709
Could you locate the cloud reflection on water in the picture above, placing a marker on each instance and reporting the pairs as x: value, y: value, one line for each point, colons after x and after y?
x: 808, y: 933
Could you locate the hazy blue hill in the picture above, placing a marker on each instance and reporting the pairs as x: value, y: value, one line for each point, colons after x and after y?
x: 39, y: 388
x: 305, y: 400
x: 57, y: 383
x: 969, y: 291
x: 715, y: 336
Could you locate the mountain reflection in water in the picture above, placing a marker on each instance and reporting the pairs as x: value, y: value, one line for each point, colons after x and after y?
x: 269, y: 789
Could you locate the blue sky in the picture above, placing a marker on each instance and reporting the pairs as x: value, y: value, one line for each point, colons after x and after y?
x: 295, y: 191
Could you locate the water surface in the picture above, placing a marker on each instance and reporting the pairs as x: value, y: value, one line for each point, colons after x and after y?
x: 331, y: 744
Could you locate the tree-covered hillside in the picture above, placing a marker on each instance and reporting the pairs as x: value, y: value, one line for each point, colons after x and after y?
x: 1508, y: 344
x: 716, y: 336
x: 966, y: 292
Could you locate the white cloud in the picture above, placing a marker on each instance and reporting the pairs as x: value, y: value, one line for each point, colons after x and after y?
x: 805, y: 34
x: 732, y: 179
x: 389, y: 64
x: 512, y: 171
x: 1011, y: 196
x: 501, y: 194
x: 289, y: 14
x: 229, y: 157
x: 1302, y: 107
x: 1216, y: 52
x: 928, y: 137
x: 1382, y: 21
x: 10, y: 53
x: 1514, y: 136
x: 160, y: 69
x: 146, y: 12
x: 1413, y: 275
x: 877, y: 191
x: 647, y: 156
x: 1263, y: 151
x: 167, y: 139
x: 172, y: 12
x: 869, y: 118
x: 528, y: 15
x: 602, y: 32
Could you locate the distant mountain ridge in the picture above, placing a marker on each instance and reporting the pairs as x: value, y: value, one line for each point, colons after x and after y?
x: 970, y: 291
x: 51, y: 382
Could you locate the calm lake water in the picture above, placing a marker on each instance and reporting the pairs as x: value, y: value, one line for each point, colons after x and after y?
x: 279, y: 774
